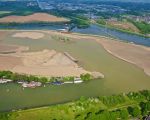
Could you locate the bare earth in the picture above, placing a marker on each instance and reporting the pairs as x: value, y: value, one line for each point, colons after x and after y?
x: 3, y: 34
x: 30, y: 35
x: 135, y: 54
x: 52, y: 63
x: 36, y: 17
x: 44, y: 63
x: 12, y: 48
x: 8, y: 62
x: 4, y: 47
x: 124, y: 25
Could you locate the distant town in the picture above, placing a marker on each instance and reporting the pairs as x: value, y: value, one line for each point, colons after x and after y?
x: 92, y: 10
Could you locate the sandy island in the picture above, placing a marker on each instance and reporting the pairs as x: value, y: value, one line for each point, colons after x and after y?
x: 6, y: 49
x: 43, y: 63
x: 53, y: 63
x: 36, y: 17
x: 47, y: 63
x: 135, y: 54
x: 30, y: 35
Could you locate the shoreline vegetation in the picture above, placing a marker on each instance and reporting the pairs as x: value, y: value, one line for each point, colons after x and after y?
x: 139, y: 31
x: 142, y: 26
x: 33, y: 22
x: 124, y: 106
x: 78, y: 21
x: 122, y: 30
x: 33, y: 81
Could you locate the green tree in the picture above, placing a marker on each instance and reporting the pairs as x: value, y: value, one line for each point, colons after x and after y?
x: 4, y: 116
x: 5, y: 74
x: 43, y: 79
x: 85, y: 77
x: 134, y: 111
x: 124, y: 114
x: 101, y: 21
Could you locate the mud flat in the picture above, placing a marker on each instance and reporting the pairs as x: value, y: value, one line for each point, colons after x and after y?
x: 7, y: 49
x: 120, y: 76
x: 9, y: 62
x: 43, y: 63
x: 4, y: 47
x: 30, y: 35
x: 36, y: 17
x: 135, y: 54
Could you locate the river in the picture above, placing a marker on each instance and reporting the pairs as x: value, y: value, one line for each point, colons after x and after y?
x: 93, y: 29
x: 120, y: 76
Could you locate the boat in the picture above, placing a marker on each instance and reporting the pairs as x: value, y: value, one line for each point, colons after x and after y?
x: 2, y: 81
x: 31, y: 84
x: 68, y: 82
x: 57, y: 83
x: 20, y: 82
x: 78, y: 81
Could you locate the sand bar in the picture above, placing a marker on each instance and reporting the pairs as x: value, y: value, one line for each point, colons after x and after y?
x: 43, y: 63
x: 135, y: 54
x: 36, y: 17
x: 6, y: 49
x: 30, y: 35
x: 9, y: 62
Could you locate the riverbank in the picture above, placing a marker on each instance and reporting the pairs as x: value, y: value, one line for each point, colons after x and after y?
x: 33, y: 81
x: 120, y: 76
x: 124, y: 31
x: 122, y: 106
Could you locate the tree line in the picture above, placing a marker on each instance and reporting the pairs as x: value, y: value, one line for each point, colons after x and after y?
x: 16, y: 77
